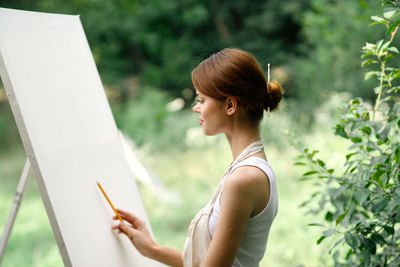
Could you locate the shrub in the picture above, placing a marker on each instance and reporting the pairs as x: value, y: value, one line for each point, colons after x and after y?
x: 360, y: 206
x: 149, y: 122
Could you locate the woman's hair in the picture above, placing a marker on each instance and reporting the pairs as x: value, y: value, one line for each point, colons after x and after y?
x: 235, y: 73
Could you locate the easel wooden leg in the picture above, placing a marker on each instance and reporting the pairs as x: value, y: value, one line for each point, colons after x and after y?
x: 14, y: 209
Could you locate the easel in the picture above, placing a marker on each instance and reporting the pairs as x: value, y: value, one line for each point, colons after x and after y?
x: 70, y: 138
x: 14, y: 208
x: 139, y: 170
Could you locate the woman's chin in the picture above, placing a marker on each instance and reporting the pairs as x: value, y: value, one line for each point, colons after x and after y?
x: 208, y: 133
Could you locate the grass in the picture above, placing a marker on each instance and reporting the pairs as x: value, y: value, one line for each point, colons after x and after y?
x: 192, y: 174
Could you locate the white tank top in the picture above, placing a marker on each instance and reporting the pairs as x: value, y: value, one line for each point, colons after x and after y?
x: 254, y: 242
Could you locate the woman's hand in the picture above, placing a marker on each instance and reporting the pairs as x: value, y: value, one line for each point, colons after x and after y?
x: 137, y: 232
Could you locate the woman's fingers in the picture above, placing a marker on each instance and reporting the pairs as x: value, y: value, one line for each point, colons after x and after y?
x: 127, y: 215
x: 130, y: 217
x: 140, y: 237
x: 129, y: 231
x: 125, y: 229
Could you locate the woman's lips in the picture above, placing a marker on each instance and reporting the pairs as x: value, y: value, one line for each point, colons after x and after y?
x: 201, y: 122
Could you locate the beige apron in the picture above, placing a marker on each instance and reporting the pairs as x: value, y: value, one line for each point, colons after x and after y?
x: 198, y: 239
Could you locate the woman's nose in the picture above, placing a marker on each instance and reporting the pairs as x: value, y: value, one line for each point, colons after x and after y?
x: 196, y: 108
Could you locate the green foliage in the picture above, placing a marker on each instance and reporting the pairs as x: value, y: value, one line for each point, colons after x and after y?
x: 311, y: 44
x: 361, y: 205
x: 162, y: 40
x: 149, y: 122
x: 332, y: 34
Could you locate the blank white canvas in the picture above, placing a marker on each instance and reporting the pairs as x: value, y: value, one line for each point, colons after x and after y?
x: 69, y: 134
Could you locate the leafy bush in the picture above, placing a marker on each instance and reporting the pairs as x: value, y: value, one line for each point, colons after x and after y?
x: 361, y: 206
x: 149, y: 122
x: 333, y: 32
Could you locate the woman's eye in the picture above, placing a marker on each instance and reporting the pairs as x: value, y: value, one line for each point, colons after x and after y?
x: 199, y: 100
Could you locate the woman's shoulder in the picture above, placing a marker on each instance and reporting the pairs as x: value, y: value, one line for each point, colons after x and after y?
x: 246, y: 178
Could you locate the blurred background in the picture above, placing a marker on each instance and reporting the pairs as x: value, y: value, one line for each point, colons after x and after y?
x: 145, y: 51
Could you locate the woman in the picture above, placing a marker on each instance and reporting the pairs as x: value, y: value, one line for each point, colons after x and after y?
x: 232, y: 229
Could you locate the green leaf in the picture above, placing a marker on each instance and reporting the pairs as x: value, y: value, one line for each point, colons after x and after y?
x: 384, y: 46
x: 373, y: 182
x: 388, y: 98
x: 377, y: 238
x: 305, y: 179
x: 384, y: 133
x: 371, y: 246
x: 393, y: 49
x: 367, y: 130
x: 361, y: 195
x: 368, y: 62
x: 348, y: 254
x: 348, y: 156
x: 357, y: 145
x: 312, y: 154
x: 304, y: 203
x: 369, y: 47
x: 356, y: 139
x: 379, y: 45
x: 309, y: 173
x: 377, y: 175
x: 389, y: 14
x: 379, y: 19
x: 340, y: 131
x: 396, y: 154
x: 389, y: 229
x: 367, y: 54
x: 369, y: 149
x: 352, y: 240
x: 329, y: 216
x: 377, y: 126
x: 371, y: 74
x: 320, y: 163
x: 396, y: 109
x: 341, y: 217
x: 388, y: 56
x: 320, y: 239
x: 392, y: 27
x: 316, y: 224
x: 389, y: 3
x: 394, y: 89
x: 379, y: 204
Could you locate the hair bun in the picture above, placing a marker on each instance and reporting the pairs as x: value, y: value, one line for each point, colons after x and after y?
x: 273, y: 96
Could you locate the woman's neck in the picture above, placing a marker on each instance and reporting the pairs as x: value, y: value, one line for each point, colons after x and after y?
x: 240, y: 138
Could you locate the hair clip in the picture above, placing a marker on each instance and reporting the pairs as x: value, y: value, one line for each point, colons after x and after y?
x: 268, y: 79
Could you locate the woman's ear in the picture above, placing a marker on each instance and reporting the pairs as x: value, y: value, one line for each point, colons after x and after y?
x: 231, y: 105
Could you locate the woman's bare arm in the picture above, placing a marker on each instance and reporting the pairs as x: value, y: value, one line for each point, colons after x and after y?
x: 240, y: 196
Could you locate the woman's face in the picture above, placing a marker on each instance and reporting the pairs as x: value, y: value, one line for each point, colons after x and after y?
x: 213, y: 117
